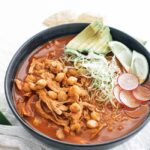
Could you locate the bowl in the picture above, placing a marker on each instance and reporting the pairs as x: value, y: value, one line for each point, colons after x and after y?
x: 41, y: 38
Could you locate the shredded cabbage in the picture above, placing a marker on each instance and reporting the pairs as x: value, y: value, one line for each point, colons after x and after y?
x: 104, y: 72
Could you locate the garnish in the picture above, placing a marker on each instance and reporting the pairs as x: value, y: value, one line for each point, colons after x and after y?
x: 94, y: 38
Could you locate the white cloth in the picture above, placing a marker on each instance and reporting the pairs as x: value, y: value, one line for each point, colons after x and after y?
x: 17, y: 138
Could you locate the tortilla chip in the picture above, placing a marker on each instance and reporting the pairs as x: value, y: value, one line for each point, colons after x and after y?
x: 59, y: 18
x: 67, y: 16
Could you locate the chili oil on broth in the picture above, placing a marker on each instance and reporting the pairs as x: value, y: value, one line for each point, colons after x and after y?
x: 126, y: 119
x: 43, y: 51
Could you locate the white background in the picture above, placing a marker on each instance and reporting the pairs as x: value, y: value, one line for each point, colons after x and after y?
x: 20, y: 19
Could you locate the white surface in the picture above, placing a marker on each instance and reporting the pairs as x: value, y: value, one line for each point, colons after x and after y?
x: 20, y: 19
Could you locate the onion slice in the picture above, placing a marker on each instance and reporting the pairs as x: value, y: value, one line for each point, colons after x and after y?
x: 128, y: 81
x: 141, y: 93
x: 128, y: 99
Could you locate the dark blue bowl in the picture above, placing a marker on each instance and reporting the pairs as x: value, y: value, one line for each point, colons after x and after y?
x: 41, y: 38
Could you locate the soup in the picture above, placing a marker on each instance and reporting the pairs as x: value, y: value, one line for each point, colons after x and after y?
x: 57, y: 98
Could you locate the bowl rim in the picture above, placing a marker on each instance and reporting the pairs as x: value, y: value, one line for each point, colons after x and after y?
x: 8, y: 95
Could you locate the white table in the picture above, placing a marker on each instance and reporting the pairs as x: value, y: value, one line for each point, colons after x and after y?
x: 20, y: 19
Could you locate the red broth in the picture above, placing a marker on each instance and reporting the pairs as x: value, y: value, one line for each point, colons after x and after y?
x: 126, y: 121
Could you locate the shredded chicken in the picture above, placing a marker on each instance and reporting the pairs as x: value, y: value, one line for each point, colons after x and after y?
x: 60, y: 94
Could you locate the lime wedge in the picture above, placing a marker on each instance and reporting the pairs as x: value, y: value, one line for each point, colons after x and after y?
x: 139, y: 66
x: 122, y: 52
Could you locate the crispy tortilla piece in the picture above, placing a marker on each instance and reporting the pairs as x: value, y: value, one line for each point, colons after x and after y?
x: 67, y: 16
x: 49, y: 116
x: 27, y: 108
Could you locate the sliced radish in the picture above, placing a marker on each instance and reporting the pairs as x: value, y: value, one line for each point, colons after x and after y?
x: 116, y: 92
x: 142, y: 93
x: 138, y: 112
x: 147, y: 84
x: 128, y: 81
x: 128, y: 99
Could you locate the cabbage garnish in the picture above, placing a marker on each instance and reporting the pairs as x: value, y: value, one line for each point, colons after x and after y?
x: 104, y: 72
x: 93, y: 41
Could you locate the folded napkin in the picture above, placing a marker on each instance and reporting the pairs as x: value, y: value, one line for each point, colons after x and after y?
x: 15, y: 137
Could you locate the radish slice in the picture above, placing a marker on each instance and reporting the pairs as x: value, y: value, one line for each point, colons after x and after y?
x: 142, y: 93
x: 147, y: 84
x: 138, y: 112
x: 128, y: 99
x: 128, y: 81
x: 116, y: 91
